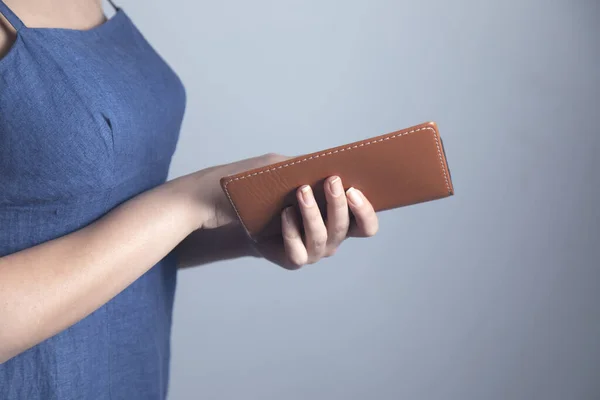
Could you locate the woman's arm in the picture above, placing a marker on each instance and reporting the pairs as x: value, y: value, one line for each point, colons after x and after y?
x: 49, y: 287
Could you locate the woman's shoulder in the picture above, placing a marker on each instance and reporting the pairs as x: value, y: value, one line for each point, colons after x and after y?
x: 7, y: 36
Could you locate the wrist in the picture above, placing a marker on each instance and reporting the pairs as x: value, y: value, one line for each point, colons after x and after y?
x: 185, y: 190
x: 201, y: 192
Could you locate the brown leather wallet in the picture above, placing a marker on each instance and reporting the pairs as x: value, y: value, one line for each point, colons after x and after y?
x: 397, y: 169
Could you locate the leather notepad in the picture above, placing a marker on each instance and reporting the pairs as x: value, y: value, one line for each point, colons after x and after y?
x: 398, y: 169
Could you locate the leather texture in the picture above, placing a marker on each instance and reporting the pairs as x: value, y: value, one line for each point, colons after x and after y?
x: 398, y: 169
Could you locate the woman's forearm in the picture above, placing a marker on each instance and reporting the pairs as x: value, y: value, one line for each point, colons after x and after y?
x: 49, y: 287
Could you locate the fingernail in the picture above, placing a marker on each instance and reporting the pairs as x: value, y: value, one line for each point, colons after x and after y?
x: 307, y: 196
x: 336, y: 186
x: 354, y: 197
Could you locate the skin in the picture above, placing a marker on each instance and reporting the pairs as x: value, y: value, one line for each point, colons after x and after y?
x: 49, y: 287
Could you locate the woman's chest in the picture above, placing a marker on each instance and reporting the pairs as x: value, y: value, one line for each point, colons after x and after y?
x: 88, y: 116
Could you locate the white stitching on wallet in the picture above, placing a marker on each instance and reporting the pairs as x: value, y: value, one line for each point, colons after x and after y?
x: 393, y: 136
x: 437, y: 143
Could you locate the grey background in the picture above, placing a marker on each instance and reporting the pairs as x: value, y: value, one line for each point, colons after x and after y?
x: 491, y: 294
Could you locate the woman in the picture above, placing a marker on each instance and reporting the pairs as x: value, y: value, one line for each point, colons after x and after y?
x: 91, y: 234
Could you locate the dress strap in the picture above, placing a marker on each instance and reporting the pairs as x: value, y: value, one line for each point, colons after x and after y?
x: 112, y: 3
x: 11, y: 16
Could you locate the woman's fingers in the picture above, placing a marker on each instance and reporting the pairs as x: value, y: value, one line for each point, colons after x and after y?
x: 315, y: 231
x: 293, y: 244
x: 338, y: 217
x: 367, y: 223
x: 319, y: 239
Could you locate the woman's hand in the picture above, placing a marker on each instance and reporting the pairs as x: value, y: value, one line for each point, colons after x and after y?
x: 306, y: 236
x: 214, y: 209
